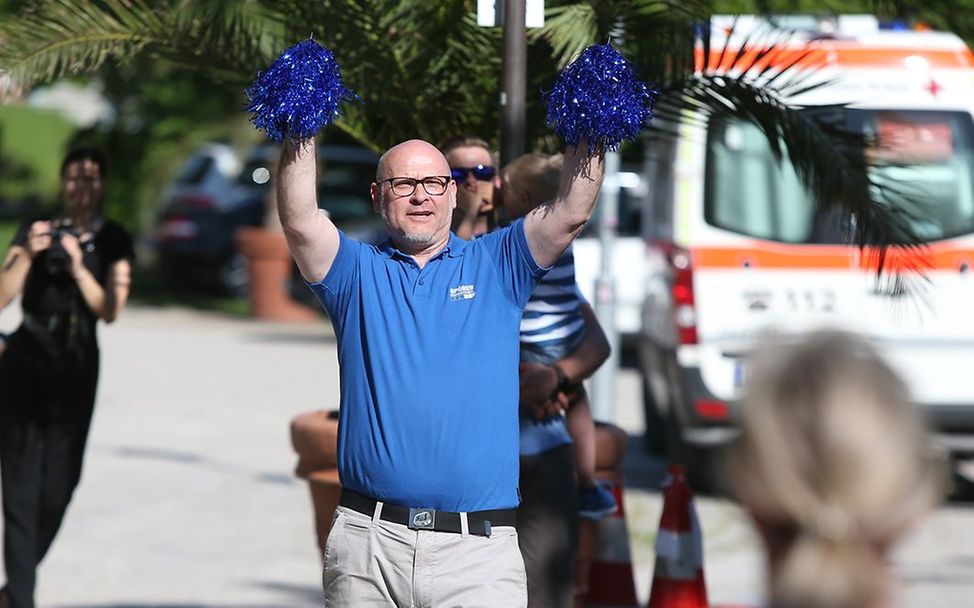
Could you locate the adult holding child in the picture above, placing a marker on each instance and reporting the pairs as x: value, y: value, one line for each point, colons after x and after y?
x: 562, y: 344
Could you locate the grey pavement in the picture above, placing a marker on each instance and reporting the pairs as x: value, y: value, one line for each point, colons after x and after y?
x: 188, y: 498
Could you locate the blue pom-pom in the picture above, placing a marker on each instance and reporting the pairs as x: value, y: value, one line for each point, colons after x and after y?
x: 599, y: 98
x: 298, y: 94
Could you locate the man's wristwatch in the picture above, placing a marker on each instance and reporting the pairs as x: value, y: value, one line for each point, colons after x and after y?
x: 565, y: 384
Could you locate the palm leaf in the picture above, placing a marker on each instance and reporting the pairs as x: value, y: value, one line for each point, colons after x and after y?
x: 569, y: 30
x: 60, y: 37
x: 424, y: 69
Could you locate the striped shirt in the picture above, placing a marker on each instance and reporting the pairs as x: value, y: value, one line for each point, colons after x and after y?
x: 553, y: 314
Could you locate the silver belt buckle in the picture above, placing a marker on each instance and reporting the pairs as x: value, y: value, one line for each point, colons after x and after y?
x: 421, y: 519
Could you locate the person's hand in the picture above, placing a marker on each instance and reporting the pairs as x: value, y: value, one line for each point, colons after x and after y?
x: 38, y: 238
x: 486, y: 192
x: 538, y: 383
x: 470, y: 206
x: 555, y: 406
x: 72, y: 246
x: 468, y: 203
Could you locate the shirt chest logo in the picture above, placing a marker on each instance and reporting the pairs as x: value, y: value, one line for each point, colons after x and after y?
x: 462, y: 292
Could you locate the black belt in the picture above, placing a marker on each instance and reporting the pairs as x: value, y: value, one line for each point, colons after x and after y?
x: 478, y: 522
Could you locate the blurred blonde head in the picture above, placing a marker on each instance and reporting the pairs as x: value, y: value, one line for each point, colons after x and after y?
x: 834, y: 464
x: 529, y: 180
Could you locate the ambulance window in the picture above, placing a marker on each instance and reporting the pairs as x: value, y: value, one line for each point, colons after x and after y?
x: 927, y: 160
x: 924, y: 163
x: 749, y: 191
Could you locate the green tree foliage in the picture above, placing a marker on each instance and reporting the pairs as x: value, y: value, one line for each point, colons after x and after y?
x: 163, y: 112
x: 422, y: 67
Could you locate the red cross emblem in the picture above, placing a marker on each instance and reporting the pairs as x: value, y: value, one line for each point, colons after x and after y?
x: 933, y: 87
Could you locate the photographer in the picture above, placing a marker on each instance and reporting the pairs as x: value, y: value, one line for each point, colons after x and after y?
x: 71, y: 271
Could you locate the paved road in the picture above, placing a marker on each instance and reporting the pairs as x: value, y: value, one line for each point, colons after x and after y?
x: 188, y: 498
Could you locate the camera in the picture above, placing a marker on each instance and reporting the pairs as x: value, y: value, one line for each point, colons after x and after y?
x: 57, y: 260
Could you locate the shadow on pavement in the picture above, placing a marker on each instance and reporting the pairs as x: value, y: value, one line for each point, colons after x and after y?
x: 641, y: 469
x: 295, y: 336
x: 299, y: 595
x: 302, y: 592
x: 236, y: 605
x: 177, y: 457
x: 644, y: 469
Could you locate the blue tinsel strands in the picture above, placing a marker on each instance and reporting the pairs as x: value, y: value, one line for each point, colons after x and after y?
x: 599, y: 98
x: 298, y: 94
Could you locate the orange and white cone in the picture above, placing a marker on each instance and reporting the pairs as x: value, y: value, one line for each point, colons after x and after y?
x: 611, y: 581
x: 678, y: 578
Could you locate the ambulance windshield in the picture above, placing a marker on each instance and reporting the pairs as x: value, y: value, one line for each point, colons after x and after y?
x: 926, y: 157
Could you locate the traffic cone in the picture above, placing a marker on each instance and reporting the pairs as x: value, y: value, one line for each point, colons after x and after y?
x: 678, y: 577
x: 610, y: 578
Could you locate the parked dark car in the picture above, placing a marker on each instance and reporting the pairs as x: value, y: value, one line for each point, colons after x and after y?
x: 194, y: 235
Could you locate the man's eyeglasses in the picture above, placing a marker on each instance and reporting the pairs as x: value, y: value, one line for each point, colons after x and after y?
x: 483, y: 173
x: 405, y: 186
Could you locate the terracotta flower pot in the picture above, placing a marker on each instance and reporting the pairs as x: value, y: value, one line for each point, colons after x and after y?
x: 269, y: 274
x: 314, y: 436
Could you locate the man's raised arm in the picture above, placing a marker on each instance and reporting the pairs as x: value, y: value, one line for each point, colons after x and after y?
x: 312, y: 237
x: 553, y: 225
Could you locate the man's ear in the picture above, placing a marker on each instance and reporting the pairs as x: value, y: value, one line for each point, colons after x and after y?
x: 376, y: 192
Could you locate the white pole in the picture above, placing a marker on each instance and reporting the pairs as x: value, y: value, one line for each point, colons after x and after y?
x: 603, y: 381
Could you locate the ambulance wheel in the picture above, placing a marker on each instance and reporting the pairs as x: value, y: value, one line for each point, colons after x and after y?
x: 700, y: 461
x: 655, y: 424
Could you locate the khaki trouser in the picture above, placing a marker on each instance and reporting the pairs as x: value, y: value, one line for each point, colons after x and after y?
x: 370, y: 562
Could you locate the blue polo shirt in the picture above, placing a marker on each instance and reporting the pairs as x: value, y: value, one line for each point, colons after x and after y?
x: 428, y: 361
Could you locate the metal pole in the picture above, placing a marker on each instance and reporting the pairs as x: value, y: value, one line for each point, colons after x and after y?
x: 515, y: 68
x: 603, y: 381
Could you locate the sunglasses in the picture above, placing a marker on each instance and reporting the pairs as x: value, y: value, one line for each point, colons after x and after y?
x: 483, y: 173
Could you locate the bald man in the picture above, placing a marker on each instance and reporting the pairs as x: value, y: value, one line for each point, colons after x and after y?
x: 427, y: 327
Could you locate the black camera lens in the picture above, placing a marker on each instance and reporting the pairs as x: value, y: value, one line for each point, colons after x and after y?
x: 57, y: 261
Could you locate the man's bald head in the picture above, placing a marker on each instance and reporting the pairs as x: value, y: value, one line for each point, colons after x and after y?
x: 419, y: 221
x: 410, y: 156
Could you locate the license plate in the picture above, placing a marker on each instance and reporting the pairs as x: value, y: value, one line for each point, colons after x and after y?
x: 178, y: 229
x: 740, y: 373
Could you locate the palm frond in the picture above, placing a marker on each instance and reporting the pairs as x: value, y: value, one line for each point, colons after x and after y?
x: 59, y: 37
x: 240, y: 37
x: 569, y: 29
x: 422, y: 69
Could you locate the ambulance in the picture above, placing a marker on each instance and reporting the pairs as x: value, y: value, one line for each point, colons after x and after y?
x: 737, y: 250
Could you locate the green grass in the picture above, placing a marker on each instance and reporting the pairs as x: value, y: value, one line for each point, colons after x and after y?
x: 7, y: 230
